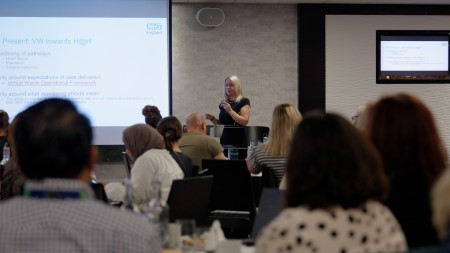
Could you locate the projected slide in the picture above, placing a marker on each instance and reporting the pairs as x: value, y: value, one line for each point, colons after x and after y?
x: 110, y: 57
x: 414, y: 56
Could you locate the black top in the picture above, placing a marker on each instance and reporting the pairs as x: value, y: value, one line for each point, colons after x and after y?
x: 409, y: 201
x: 224, y: 116
x: 185, y: 163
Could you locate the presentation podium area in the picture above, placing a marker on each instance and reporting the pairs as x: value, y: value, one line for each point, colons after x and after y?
x: 236, y: 139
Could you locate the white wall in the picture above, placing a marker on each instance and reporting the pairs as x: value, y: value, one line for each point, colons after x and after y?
x: 257, y: 42
x: 350, y: 65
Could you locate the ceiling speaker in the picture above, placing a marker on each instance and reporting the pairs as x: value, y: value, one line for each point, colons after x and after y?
x: 210, y: 16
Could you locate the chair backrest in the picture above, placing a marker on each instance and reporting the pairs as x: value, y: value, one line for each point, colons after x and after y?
x: 232, y: 189
x: 189, y: 199
x: 127, y: 163
x: 270, y: 205
x: 268, y: 178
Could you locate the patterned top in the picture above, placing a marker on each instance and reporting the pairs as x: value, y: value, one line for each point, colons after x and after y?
x: 371, y: 229
x: 260, y: 159
x: 51, y: 224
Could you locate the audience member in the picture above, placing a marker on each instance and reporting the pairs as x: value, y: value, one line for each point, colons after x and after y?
x: 360, y: 118
x: 235, y: 108
x: 4, y: 125
x: 145, y: 146
x: 273, y: 155
x: 57, y: 211
x: 404, y: 131
x: 171, y: 130
x: 12, y: 181
x: 196, y: 144
x: 152, y: 115
x: 335, y: 180
x: 13, y: 178
x: 356, y: 119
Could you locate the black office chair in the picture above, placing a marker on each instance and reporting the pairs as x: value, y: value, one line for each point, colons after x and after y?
x: 232, y: 200
x: 189, y: 199
x: 126, y: 161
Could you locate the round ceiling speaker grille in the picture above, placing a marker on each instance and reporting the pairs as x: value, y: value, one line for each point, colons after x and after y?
x: 210, y: 16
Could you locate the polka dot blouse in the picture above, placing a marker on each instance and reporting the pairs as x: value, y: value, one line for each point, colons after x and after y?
x: 369, y: 229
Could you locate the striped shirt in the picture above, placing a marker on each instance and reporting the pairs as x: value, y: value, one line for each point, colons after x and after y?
x: 261, y: 159
x: 78, y: 223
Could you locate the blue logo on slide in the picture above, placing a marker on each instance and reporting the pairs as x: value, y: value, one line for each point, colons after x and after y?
x: 154, y: 26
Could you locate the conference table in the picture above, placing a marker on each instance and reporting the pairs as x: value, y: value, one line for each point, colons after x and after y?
x: 232, y: 246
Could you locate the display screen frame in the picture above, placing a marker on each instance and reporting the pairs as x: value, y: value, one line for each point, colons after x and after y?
x: 414, y: 53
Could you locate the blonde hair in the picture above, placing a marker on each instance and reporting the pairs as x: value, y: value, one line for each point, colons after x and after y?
x: 237, y: 86
x: 285, y: 120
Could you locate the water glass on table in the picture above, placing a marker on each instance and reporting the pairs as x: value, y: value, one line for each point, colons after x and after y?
x: 189, y: 236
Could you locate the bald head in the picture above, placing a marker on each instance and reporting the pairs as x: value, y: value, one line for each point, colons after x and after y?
x: 195, y: 123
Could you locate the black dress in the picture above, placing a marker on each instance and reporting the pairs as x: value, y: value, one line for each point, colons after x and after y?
x: 224, y: 116
x: 233, y: 135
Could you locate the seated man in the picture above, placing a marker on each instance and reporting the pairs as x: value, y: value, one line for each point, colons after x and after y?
x: 57, y: 211
x: 196, y: 144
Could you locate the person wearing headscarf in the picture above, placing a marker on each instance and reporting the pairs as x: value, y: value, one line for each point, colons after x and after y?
x: 145, y: 146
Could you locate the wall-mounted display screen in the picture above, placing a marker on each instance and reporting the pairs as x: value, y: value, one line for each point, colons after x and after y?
x: 111, y: 57
x: 411, y: 56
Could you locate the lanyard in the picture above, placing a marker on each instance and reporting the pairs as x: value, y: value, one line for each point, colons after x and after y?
x: 55, y: 195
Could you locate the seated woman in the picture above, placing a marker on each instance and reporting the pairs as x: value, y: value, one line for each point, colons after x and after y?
x: 171, y: 130
x: 404, y: 132
x: 334, y: 182
x: 273, y: 154
x: 4, y: 126
x: 152, y: 115
x: 145, y: 146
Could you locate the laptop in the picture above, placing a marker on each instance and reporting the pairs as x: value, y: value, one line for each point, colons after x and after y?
x: 270, y: 206
x: 189, y: 199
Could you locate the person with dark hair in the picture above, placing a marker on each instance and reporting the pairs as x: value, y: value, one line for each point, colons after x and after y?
x: 12, y: 180
x: 403, y: 130
x: 335, y: 181
x: 4, y: 125
x: 57, y: 211
x: 171, y: 130
x: 152, y: 115
x: 145, y: 146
